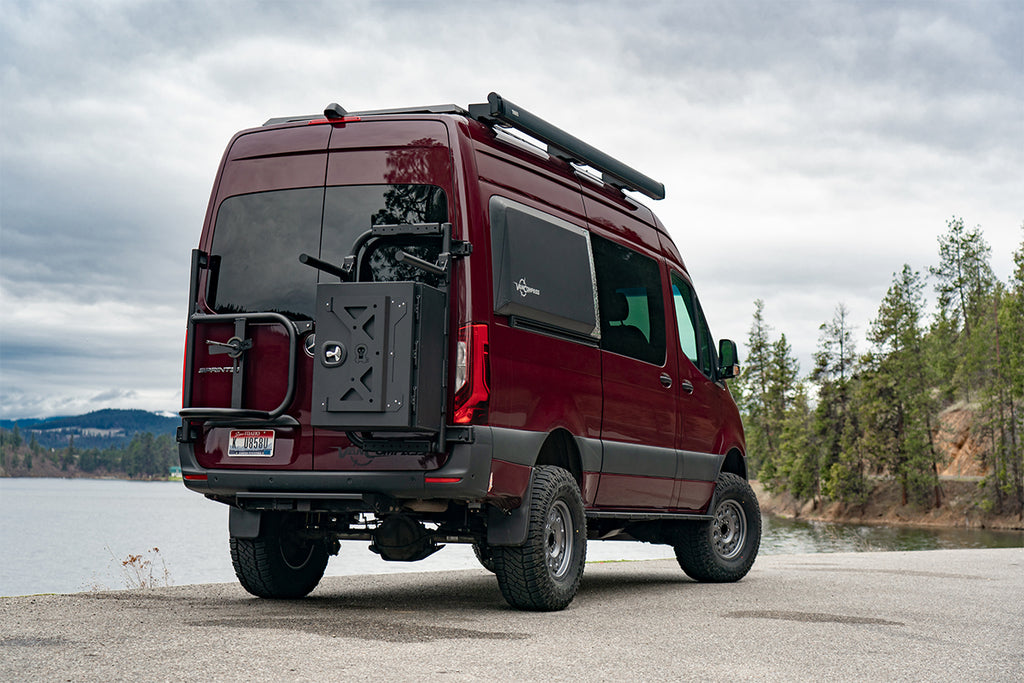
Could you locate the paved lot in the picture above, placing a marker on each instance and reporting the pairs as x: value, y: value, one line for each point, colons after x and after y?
x: 952, y: 615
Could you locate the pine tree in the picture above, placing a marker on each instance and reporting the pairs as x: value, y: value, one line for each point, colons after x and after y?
x: 788, y: 422
x: 753, y: 392
x: 964, y: 274
x: 1011, y: 318
x: 836, y: 354
x: 783, y: 374
x: 798, y: 464
x: 835, y: 424
x: 964, y: 282
x: 900, y: 411
x: 998, y: 418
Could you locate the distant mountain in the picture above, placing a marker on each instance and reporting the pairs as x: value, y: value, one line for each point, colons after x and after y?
x: 98, y: 429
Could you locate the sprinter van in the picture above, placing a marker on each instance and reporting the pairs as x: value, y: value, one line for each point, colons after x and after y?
x: 442, y: 325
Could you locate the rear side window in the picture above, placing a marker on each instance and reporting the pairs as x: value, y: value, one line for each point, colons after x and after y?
x: 258, y: 238
x: 630, y: 297
x: 543, y: 270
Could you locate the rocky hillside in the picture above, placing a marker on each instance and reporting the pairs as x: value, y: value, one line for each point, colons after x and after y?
x: 963, y: 469
x: 961, y: 451
x: 961, y: 507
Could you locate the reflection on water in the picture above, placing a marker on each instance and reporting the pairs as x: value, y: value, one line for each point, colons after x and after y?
x: 67, y: 535
x: 787, y: 536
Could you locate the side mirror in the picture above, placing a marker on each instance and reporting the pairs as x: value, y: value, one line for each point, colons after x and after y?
x: 728, y: 359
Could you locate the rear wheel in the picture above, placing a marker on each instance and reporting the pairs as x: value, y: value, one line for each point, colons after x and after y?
x: 484, y: 556
x: 279, y: 563
x: 544, y: 573
x: 722, y: 549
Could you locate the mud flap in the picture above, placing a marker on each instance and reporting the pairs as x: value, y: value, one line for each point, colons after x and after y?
x: 510, y: 527
x: 243, y: 523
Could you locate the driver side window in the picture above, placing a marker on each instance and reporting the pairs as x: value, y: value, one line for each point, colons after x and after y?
x: 694, y: 339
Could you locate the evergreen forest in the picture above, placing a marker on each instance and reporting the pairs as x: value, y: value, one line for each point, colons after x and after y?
x: 146, y: 456
x: 857, y: 417
x: 860, y: 416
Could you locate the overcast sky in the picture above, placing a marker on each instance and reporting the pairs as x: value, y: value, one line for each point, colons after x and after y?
x: 808, y: 149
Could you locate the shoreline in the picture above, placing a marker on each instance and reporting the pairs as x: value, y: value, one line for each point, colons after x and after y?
x: 82, y: 475
x: 961, y: 508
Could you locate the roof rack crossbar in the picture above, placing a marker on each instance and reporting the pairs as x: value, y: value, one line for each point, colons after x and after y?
x: 565, y: 146
x: 429, y: 109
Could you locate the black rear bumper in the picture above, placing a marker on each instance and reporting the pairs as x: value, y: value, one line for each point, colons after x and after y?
x: 465, y: 476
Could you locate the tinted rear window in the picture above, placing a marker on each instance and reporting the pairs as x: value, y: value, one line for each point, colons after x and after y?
x: 258, y: 238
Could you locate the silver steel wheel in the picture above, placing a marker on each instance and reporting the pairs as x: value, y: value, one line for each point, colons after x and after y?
x: 544, y: 572
x: 558, y: 539
x: 729, y: 529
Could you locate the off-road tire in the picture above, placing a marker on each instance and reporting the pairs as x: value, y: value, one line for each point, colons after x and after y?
x: 484, y: 555
x: 544, y: 573
x: 723, y: 549
x: 279, y: 563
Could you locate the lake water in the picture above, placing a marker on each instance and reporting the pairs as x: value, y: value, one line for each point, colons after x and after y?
x: 69, y: 535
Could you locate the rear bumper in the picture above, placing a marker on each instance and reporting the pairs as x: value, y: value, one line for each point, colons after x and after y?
x: 465, y: 476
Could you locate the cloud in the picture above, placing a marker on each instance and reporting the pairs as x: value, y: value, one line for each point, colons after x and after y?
x: 808, y: 149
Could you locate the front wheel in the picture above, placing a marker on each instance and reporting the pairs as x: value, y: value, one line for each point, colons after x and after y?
x: 723, y: 549
x: 544, y: 573
x: 279, y: 563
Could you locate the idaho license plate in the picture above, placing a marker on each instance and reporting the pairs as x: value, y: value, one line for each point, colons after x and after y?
x: 251, y: 443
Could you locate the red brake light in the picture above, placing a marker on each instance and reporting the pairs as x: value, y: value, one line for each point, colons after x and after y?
x: 346, y: 119
x: 472, y: 375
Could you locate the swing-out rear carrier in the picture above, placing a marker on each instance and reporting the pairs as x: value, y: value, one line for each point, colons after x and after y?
x: 380, y: 359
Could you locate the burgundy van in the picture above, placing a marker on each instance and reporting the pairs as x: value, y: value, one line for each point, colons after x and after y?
x: 444, y: 325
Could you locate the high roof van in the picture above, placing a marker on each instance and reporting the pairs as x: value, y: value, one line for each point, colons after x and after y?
x: 439, y: 325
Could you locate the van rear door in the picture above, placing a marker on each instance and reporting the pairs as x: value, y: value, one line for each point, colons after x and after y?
x: 382, y: 173
x: 266, y: 209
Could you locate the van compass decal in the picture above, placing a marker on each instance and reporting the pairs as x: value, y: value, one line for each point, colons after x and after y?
x: 525, y: 289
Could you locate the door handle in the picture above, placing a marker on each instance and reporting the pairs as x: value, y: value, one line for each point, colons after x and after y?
x: 687, y: 386
x: 666, y: 380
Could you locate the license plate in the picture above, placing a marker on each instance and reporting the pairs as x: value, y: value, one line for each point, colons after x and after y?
x: 251, y: 443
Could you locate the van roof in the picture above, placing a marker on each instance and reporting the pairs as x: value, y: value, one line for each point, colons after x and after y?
x: 430, y: 109
x: 499, y: 112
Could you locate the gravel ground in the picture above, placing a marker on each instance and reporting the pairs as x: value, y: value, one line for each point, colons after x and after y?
x: 924, y: 616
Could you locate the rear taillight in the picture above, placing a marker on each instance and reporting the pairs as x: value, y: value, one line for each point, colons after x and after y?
x: 472, y: 375
x: 184, y: 378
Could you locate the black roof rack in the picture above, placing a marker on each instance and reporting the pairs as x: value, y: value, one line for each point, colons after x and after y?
x: 565, y: 146
x: 499, y: 111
